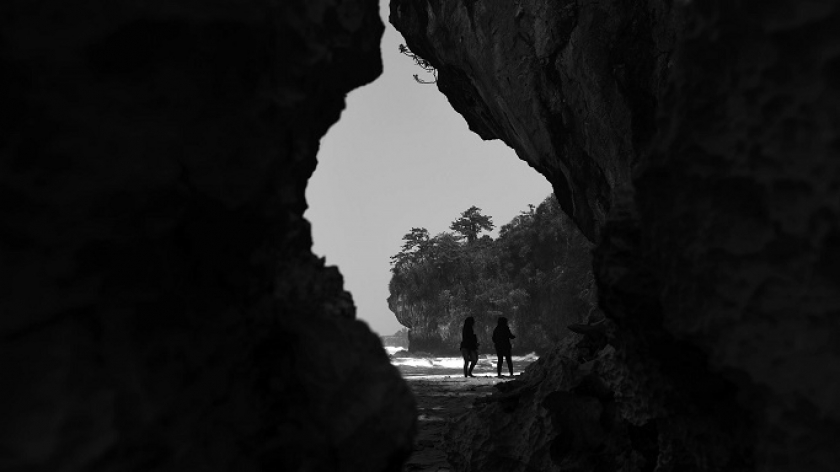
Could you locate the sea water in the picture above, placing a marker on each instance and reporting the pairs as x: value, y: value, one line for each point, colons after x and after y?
x: 454, y: 366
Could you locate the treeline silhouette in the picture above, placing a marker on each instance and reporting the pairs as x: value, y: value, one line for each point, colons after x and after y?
x: 537, y: 273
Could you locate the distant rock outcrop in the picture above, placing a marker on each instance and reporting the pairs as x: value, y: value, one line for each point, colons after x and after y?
x: 697, y: 144
x: 425, y: 327
x: 160, y: 308
x: 537, y: 274
x: 398, y: 339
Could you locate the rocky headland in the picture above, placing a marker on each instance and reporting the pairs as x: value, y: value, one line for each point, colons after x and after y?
x: 537, y: 273
x: 696, y: 144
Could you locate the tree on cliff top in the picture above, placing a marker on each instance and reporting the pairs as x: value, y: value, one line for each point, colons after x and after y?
x: 415, y: 240
x: 414, y: 247
x: 471, y: 223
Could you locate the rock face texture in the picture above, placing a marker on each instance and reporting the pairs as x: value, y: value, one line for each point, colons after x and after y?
x: 698, y: 145
x: 570, y: 85
x: 559, y: 416
x: 161, y: 308
x: 425, y: 333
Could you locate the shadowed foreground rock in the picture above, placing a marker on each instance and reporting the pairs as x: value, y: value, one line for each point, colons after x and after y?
x: 161, y: 309
x: 558, y: 415
x: 697, y: 144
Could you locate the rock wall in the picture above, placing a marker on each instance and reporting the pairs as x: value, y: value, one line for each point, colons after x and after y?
x: 570, y: 85
x: 738, y: 216
x: 710, y: 182
x: 161, y: 308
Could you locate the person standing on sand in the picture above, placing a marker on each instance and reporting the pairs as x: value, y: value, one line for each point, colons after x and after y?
x: 501, y: 340
x: 469, y: 346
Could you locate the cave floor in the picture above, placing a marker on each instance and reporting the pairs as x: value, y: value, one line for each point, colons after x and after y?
x: 441, y: 399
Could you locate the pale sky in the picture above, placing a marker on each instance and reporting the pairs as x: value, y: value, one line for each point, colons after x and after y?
x: 401, y: 157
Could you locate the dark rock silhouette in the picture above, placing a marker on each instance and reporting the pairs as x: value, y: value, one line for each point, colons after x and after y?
x: 697, y: 144
x: 161, y: 308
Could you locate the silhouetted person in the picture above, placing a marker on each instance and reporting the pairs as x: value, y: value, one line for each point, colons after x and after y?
x: 469, y: 346
x: 501, y: 339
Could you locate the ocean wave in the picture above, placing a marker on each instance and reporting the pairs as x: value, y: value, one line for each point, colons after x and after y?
x: 428, y: 365
x: 391, y: 350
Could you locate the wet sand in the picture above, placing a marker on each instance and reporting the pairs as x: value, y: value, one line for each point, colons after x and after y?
x: 441, y: 399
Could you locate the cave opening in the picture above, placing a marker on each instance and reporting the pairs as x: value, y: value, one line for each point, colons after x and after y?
x: 162, y: 309
x: 400, y: 157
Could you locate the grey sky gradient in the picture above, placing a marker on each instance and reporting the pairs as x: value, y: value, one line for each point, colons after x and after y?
x: 401, y: 157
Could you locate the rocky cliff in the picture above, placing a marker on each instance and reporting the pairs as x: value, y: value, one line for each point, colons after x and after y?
x: 161, y: 309
x: 431, y: 330
x: 570, y: 85
x: 697, y: 143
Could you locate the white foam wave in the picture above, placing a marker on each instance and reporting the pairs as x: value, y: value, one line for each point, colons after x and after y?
x: 456, y: 362
x: 392, y: 349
